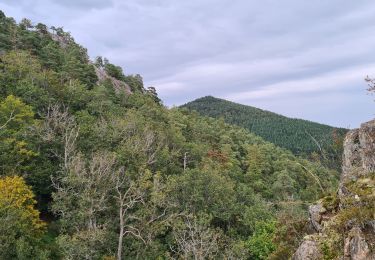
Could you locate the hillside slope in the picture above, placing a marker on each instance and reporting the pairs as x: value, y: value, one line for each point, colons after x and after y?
x: 297, y: 135
x: 117, y: 175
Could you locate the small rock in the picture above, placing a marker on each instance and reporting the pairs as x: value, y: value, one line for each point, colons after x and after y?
x: 308, y: 250
x: 315, y: 213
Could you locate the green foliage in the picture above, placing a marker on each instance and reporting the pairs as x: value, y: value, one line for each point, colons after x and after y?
x: 135, y: 82
x: 332, y: 246
x: 204, y: 191
x: 359, y: 208
x: 57, y: 52
x: 299, y: 136
x: 292, y: 225
x: 7, y: 30
x: 260, y: 243
x: 15, y: 152
x: 356, y: 210
x: 331, y: 202
x: 14, y: 114
x: 113, y: 70
x: 21, y: 229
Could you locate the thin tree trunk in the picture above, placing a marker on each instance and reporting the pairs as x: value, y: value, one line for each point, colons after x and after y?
x: 185, y: 160
x: 121, y: 235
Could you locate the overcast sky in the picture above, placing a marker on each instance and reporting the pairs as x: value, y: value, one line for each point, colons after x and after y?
x: 300, y: 58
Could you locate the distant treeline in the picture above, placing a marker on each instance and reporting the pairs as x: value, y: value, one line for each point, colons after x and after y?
x: 302, y: 137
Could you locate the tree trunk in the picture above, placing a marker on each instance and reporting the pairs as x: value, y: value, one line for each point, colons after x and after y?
x: 121, y: 235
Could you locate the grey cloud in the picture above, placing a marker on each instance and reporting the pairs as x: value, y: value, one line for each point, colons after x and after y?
x: 295, y: 51
x: 80, y: 4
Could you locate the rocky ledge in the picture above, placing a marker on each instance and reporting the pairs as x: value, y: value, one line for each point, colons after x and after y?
x: 344, y: 223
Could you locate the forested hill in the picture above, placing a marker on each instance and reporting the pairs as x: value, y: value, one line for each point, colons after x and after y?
x: 296, y: 135
x: 93, y: 166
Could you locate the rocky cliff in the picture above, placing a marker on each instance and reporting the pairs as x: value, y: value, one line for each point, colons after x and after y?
x: 344, y: 223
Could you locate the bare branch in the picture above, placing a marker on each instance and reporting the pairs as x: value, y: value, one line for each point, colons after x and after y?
x: 11, y: 117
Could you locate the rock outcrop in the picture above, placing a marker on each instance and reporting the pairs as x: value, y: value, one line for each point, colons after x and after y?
x: 358, y: 157
x: 118, y: 85
x: 352, y: 211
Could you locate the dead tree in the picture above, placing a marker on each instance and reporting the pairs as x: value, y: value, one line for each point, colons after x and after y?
x: 87, y: 184
x: 128, y: 194
x: 195, y: 240
x: 60, y: 125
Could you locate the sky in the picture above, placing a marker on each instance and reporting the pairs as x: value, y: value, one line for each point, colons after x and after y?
x: 300, y: 58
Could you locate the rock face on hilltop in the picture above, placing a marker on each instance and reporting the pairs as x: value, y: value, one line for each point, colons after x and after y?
x: 345, y: 223
x: 118, y: 85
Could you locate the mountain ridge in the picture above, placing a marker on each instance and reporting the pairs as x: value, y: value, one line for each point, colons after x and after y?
x: 265, y: 110
x: 302, y: 137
